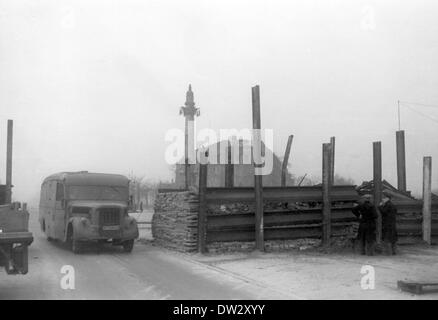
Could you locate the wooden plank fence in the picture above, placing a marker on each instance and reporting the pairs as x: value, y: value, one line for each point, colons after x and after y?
x: 298, y: 222
x: 410, y: 218
x: 278, y: 225
x: 300, y: 218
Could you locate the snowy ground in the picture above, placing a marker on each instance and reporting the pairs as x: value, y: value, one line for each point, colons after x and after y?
x: 317, y: 275
x: 106, y: 272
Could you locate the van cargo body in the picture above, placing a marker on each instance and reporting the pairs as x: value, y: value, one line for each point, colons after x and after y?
x: 79, y: 207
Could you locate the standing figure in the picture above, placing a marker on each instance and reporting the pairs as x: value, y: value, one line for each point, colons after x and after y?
x: 366, y: 212
x: 389, y: 227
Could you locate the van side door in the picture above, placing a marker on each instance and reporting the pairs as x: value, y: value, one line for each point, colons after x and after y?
x: 60, y: 214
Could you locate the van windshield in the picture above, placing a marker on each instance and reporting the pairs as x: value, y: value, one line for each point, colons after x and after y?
x: 98, y: 193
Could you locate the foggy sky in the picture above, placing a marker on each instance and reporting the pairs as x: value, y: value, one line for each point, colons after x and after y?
x: 95, y: 85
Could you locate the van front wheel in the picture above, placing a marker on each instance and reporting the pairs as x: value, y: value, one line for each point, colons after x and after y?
x: 128, y: 245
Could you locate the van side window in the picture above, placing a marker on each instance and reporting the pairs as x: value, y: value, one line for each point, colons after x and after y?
x: 59, y: 191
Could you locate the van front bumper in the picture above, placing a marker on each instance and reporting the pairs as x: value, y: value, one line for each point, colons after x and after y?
x: 84, y: 230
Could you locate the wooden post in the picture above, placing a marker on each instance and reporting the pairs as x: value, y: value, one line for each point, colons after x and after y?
x: 229, y: 169
x: 401, y: 160
x: 326, y: 186
x: 332, y: 161
x: 427, y: 199
x: 9, y: 162
x: 286, y: 160
x: 202, y: 214
x: 377, y: 180
x: 258, y: 183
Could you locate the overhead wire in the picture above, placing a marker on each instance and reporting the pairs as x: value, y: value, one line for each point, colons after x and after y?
x: 409, y: 106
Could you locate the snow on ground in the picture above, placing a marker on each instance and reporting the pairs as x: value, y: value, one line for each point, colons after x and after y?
x: 315, y: 275
x: 318, y: 275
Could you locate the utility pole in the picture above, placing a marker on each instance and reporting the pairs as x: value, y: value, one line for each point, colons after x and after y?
x: 332, y: 160
x: 377, y: 180
x: 401, y: 160
x: 258, y: 182
x: 326, y: 192
x: 229, y: 168
x: 427, y: 199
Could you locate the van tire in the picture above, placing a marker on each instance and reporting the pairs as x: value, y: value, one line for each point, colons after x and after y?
x: 75, y: 245
x: 128, y: 245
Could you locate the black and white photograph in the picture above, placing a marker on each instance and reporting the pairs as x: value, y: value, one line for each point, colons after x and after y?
x: 235, y: 152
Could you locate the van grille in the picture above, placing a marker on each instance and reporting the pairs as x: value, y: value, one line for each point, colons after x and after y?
x: 109, y: 216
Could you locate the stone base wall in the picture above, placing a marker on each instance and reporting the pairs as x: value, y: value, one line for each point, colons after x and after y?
x: 175, y: 220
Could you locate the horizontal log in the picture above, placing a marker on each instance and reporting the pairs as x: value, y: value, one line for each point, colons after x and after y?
x: 286, y: 194
x: 312, y: 216
x: 274, y: 233
x: 171, y: 190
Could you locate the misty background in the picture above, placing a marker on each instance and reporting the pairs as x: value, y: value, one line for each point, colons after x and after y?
x: 95, y: 85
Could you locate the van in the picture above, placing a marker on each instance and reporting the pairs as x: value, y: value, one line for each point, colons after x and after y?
x: 78, y: 207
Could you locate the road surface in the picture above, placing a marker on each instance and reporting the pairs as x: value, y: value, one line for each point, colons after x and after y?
x: 107, y: 272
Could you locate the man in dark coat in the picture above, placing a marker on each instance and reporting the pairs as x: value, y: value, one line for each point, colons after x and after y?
x: 389, y: 228
x: 366, y: 212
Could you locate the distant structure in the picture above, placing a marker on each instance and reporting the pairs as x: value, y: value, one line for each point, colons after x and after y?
x: 189, y: 112
x: 186, y: 173
x: 243, y: 172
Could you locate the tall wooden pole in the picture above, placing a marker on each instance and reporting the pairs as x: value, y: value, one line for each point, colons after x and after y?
x: 258, y: 183
x: 326, y: 201
x: 427, y: 200
x: 377, y: 180
x: 401, y: 160
x: 9, y: 162
x: 229, y: 168
x: 202, y: 214
x: 286, y: 160
x: 332, y: 160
